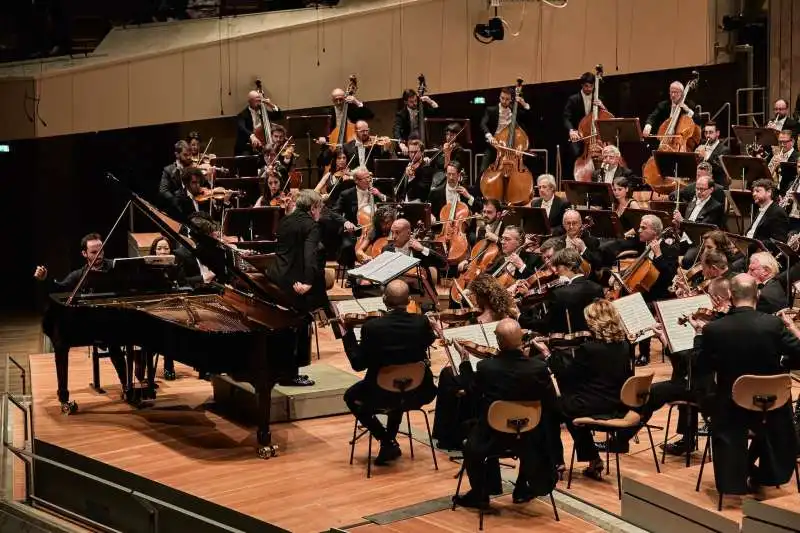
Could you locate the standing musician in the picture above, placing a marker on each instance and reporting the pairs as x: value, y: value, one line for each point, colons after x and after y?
x: 771, y: 294
x: 451, y: 151
x: 332, y: 184
x: 356, y: 110
x: 611, y: 168
x: 171, y: 176
x: 299, y: 269
x: 782, y: 120
x: 248, y: 121
x: 416, y: 184
x: 771, y: 221
x: 453, y: 191
x: 712, y: 150
x: 364, y: 150
x: 664, y: 108
x: 406, y: 121
x: 554, y: 206
x: 578, y: 106
x: 577, y: 237
x: 394, y: 339
x: 496, y: 118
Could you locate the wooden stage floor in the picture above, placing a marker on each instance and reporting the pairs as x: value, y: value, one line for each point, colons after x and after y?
x: 310, y: 486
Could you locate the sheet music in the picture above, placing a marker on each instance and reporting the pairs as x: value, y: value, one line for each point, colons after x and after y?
x: 635, y: 315
x: 385, y: 267
x: 474, y: 333
x: 363, y: 305
x: 680, y: 337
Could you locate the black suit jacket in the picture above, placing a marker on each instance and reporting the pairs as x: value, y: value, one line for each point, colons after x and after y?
x: 354, y: 114
x: 557, y: 210
x: 402, y: 121
x: 244, y: 128
x: 591, y: 253
x: 716, y: 164
x: 417, y: 187
x: 169, y: 184
x: 711, y: 213
x: 347, y: 204
x: 432, y: 260
x: 571, y: 299
x: 772, y: 297
x: 598, y: 175
x: 351, y: 152
x: 529, y: 259
x: 667, y: 266
x: 786, y: 182
x: 662, y: 111
x: 774, y: 224
x: 574, y: 111
x: 438, y: 199
x: 491, y: 117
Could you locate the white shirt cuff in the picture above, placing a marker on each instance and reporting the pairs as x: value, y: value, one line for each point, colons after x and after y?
x: 434, y: 105
x: 522, y: 268
x: 526, y: 106
x: 471, y: 201
x: 488, y: 136
x: 425, y: 251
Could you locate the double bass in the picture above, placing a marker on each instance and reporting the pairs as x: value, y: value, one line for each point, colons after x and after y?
x: 508, y: 179
x: 592, y: 146
x: 264, y: 132
x: 678, y: 133
x: 345, y: 131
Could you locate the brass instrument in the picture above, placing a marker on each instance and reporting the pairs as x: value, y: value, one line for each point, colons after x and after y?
x: 702, y: 149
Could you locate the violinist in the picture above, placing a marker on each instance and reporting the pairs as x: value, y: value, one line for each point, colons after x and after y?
x: 771, y: 294
x: 451, y: 151
x: 575, y: 235
x: 611, y: 167
x: 415, y: 185
x: 285, y: 160
x: 663, y: 109
x: 712, y: 150
x: 554, y: 206
x: 497, y: 118
x: 591, y: 380
x: 170, y: 182
x: 273, y: 192
x: 713, y: 264
x: 194, y: 141
x: 332, y: 184
x: 406, y: 121
x: 364, y: 149
x: 250, y: 119
x: 453, y: 191
x: 578, y: 106
x: 185, y: 202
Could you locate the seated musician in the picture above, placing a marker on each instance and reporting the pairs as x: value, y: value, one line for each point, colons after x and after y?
x: 688, y: 192
x: 610, y: 248
x: 664, y: 108
x: 381, y: 227
x: 273, y: 192
x: 339, y: 178
x: 194, y: 140
x: 509, y: 376
x: 93, y: 252
x: 611, y: 167
x: 786, y: 153
x: 567, y: 299
x: 394, y: 339
x: 576, y: 236
x: 487, y: 227
x: 497, y: 118
x: 406, y: 121
x: 451, y: 151
x: 591, y: 380
x: 703, y: 209
x: 513, y: 258
x: 772, y: 296
x: 416, y: 184
x: 364, y: 150
x: 362, y: 197
x: 719, y: 240
x: 554, y: 206
x: 356, y: 110
x: 771, y: 221
x: 453, y: 191
x: 170, y: 182
x: 162, y: 246
x: 185, y: 202
x: 249, y: 120
x: 454, y: 406
x: 747, y: 341
x: 789, y: 201
x: 622, y: 190
x: 712, y: 150
x: 402, y: 240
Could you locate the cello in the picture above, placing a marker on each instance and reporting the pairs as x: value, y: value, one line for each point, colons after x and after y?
x: 264, y: 131
x: 345, y: 131
x: 508, y: 179
x: 592, y: 146
x: 452, y: 216
x: 483, y: 254
x: 678, y: 133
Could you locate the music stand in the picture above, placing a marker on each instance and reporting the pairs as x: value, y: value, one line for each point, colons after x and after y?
x: 634, y: 216
x: 619, y: 130
x: 696, y: 230
x: 667, y: 206
x: 745, y: 168
x: 788, y: 173
x: 308, y: 127
x: 746, y: 245
x: 391, y: 168
x: 252, y: 223
x: 435, y: 126
x: 239, y: 166
x: 677, y: 166
x: 791, y: 256
x: 759, y: 136
x: 587, y: 193
x: 605, y: 223
x: 532, y: 220
x: 384, y: 185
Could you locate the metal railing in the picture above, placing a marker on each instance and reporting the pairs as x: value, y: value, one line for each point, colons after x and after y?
x: 751, y: 93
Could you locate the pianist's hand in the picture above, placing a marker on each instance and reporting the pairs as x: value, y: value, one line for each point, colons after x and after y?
x: 301, y: 288
x: 40, y: 273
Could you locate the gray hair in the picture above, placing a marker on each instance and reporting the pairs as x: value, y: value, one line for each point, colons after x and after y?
x: 654, y: 223
x: 306, y: 199
x: 547, y: 179
x: 613, y: 149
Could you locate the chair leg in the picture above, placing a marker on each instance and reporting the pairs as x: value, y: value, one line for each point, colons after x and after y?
x: 482, y: 495
x: 619, y: 476
x: 666, y: 434
x: 553, y: 503
x: 460, y: 477
x: 608, y: 456
x: 653, y: 448
x: 703, y: 463
x: 353, y: 442
x: 692, y: 434
x: 430, y: 439
x: 369, y: 457
x: 797, y: 476
x: 316, y: 339
x: 719, y: 503
x: 571, y: 464
x: 410, y: 439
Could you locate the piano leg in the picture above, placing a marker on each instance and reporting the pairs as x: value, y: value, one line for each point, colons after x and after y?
x: 265, y: 447
x: 62, y: 377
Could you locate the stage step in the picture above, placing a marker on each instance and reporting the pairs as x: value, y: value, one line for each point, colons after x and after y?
x: 772, y: 516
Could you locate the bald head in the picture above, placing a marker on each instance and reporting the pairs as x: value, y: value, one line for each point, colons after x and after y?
x: 337, y: 96
x: 509, y: 334
x: 395, y: 295
x: 253, y: 98
x: 744, y: 290
x: 401, y: 232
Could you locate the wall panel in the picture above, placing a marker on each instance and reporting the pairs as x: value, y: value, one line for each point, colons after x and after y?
x: 100, y: 99
x: 55, y: 106
x: 156, y: 90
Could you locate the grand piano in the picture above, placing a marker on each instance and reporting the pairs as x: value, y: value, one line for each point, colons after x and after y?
x: 245, y: 328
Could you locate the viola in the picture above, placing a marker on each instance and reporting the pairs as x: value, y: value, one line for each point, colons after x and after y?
x: 539, y: 293
x: 454, y: 316
x: 555, y: 340
x: 705, y: 314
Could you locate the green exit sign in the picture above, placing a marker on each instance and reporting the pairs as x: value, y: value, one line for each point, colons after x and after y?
x: 5, y: 148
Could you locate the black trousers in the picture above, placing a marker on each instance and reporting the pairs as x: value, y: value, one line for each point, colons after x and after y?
x: 62, y: 369
x: 365, y: 400
x: 453, y: 410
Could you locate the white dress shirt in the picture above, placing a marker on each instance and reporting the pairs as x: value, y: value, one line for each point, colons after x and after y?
x: 698, y: 206
x: 711, y: 147
x: 757, y: 221
x: 255, y: 114
x: 364, y: 198
x: 362, y: 154
x: 587, y: 104
x: 547, y: 204
x: 609, y: 177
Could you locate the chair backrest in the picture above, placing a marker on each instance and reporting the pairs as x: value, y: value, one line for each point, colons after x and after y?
x: 514, y: 417
x: 636, y: 390
x: 762, y: 393
x: 401, y: 378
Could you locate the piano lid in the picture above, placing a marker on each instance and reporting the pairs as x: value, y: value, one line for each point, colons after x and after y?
x: 235, y: 262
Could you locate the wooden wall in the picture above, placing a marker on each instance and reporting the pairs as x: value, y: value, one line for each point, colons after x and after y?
x: 784, y: 51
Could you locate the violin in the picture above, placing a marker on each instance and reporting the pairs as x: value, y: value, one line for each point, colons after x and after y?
x: 705, y: 314
x: 556, y: 340
x: 502, y: 275
x: 218, y: 194
x: 540, y: 292
x: 382, y: 141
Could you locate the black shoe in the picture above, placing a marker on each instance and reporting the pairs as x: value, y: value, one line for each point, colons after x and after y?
x: 388, y: 453
x: 472, y: 500
x: 678, y: 447
x: 642, y: 361
x: 297, y: 381
x: 521, y: 496
x: 169, y: 375
x: 594, y: 470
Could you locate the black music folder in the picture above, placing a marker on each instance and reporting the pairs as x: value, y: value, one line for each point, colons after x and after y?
x: 532, y: 220
x: 587, y: 193
x: 745, y: 168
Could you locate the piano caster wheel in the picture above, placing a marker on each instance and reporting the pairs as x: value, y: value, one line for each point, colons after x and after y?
x: 69, y: 408
x: 265, y: 452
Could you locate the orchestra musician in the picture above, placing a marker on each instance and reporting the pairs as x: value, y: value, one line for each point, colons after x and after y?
x: 786, y: 153
x: 185, y: 202
x: 451, y: 151
x: 771, y: 221
x: 194, y: 141
x: 356, y: 110
x: 454, y: 405
x: 170, y: 182
x: 663, y: 109
x: 94, y: 254
x: 381, y: 227
x: 162, y: 246
x: 703, y: 209
x: 453, y: 191
x: 577, y: 107
x: 364, y: 150
x: 406, y: 121
x: 273, y: 192
x: 747, y: 341
x: 402, y: 240
x: 488, y: 227
x: 782, y: 120
x: 554, y: 206
x: 496, y: 118
x: 712, y: 150
x: 510, y: 376
x: 576, y: 236
x: 771, y: 294
x: 591, y: 380
x: 286, y: 159
x: 703, y: 169
x: 719, y: 240
x: 611, y: 167
x: 518, y: 262
x: 416, y: 184
x: 299, y: 269
x: 622, y: 200
x: 249, y: 120
x: 332, y: 184
x: 348, y: 204
x: 396, y: 338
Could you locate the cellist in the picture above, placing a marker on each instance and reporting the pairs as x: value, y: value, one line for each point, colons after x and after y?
x: 664, y: 108
x: 250, y: 119
x: 361, y: 198
x: 496, y: 119
x: 453, y: 191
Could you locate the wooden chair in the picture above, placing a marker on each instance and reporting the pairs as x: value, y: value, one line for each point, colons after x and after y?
x: 754, y: 393
x: 690, y: 406
x: 515, y: 418
x: 401, y: 380
x: 634, y: 394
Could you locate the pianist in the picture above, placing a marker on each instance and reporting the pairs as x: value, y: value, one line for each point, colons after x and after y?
x: 91, y: 248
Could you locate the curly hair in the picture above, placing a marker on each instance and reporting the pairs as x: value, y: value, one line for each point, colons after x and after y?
x: 489, y: 293
x: 722, y: 243
x: 604, y: 321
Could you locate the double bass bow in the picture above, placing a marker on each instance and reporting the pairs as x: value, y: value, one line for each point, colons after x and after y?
x: 592, y: 146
